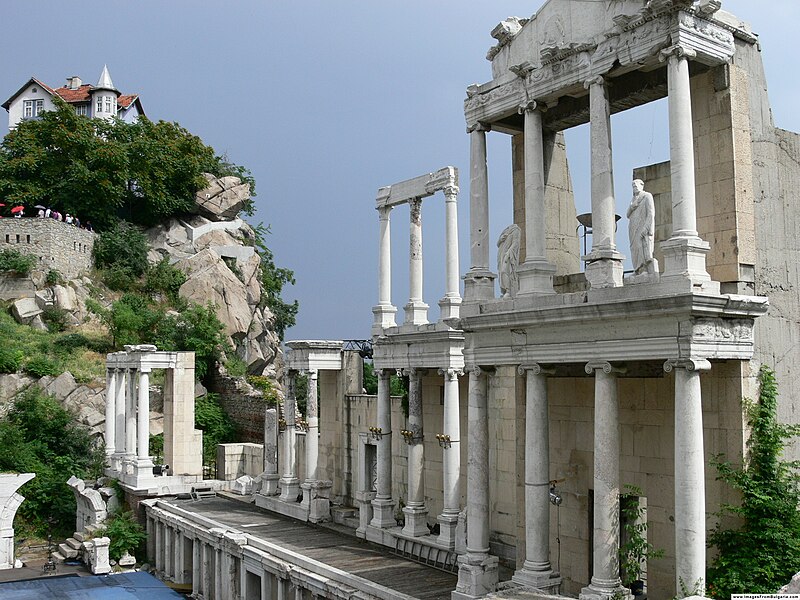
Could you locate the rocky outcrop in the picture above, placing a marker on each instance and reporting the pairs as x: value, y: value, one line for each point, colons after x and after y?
x: 223, y: 199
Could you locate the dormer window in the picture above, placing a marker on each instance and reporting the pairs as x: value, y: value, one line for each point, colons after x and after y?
x: 32, y: 108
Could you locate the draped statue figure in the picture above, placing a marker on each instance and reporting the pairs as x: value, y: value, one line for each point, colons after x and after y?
x: 641, y: 229
x: 508, y: 260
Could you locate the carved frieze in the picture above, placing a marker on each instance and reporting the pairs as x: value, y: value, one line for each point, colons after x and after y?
x: 719, y: 330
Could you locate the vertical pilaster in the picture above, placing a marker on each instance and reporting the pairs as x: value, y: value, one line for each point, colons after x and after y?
x: 383, y: 505
x: 690, y: 488
x: 121, y: 403
x: 449, y: 305
x: 415, y: 510
x: 479, y: 280
x: 416, y: 309
x: 384, y: 311
x: 451, y: 459
x: 604, y: 263
x: 478, y: 571
x: 197, y: 565
x: 535, y: 274
x: 289, y: 483
x: 605, y: 579
x: 536, y: 571
x: 684, y: 252
x: 111, y: 411
x: 143, y: 417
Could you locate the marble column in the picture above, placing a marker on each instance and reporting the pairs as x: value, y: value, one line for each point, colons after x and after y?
x: 684, y: 252
x: 451, y: 460
x: 605, y: 579
x: 536, y: 571
x: 478, y: 571
x: 690, y: 488
x: 604, y: 262
x: 111, y: 411
x: 312, y: 436
x: 269, y: 478
x: 384, y: 312
x: 383, y: 505
x: 450, y: 304
x: 479, y: 280
x: 143, y: 420
x: 130, y: 415
x: 416, y: 309
x: 415, y: 510
x: 289, y: 483
x: 121, y: 403
x: 535, y: 274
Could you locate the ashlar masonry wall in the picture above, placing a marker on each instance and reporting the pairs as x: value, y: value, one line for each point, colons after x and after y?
x: 58, y: 246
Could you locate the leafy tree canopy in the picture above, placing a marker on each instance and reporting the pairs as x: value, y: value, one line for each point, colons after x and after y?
x: 101, y: 170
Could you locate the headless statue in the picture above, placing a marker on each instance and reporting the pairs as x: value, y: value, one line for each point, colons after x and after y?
x: 508, y: 260
x: 641, y: 229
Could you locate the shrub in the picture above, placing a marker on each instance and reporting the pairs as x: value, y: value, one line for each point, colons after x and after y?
x: 55, y: 317
x: 164, y: 278
x: 763, y: 552
x: 125, y: 533
x: 217, y: 426
x: 235, y: 366
x: 133, y: 321
x: 39, y: 366
x: 266, y: 387
x: 16, y: 262
x: 71, y: 341
x: 10, y: 360
x: 123, y: 247
x: 53, y: 278
x: 198, y: 329
x: 120, y: 278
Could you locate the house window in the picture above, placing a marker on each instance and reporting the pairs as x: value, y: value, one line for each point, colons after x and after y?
x: 109, y: 105
x: 32, y: 108
x: 99, y: 105
x: 82, y: 109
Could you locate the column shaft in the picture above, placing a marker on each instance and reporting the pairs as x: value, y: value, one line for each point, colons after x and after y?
x: 121, y: 403
x: 290, y: 484
x: 111, y: 411
x: 451, y: 242
x: 416, y: 309
x: 478, y: 467
x: 603, y: 209
x: 197, y: 566
x: 130, y: 414
x: 385, y: 257
x: 451, y: 460
x: 383, y: 507
x: 415, y: 510
x: 312, y: 437
x: 478, y: 200
x: 144, y: 416
x: 535, y: 231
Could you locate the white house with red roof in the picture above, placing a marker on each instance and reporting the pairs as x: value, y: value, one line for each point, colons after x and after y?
x: 102, y: 101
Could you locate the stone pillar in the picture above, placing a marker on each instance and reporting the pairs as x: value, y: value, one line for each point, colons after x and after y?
x: 383, y: 505
x: 121, y: 403
x: 604, y: 263
x: 130, y: 415
x: 690, y: 488
x: 415, y: 510
x: 220, y: 577
x: 312, y: 437
x: 536, y: 572
x: 477, y: 571
x: 449, y: 305
x: 605, y: 579
x: 479, y: 280
x: 197, y: 565
x: 289, y: 483
x: 143, y: 417
x: 169, y: 553
x: 535, y: 274
x: 384, y: 311
x: 451, y: 460
x: 111, y: 412
x: 208, y: 570
x: 416, y: 309
x: 684, y: 252
x: 269, y: 479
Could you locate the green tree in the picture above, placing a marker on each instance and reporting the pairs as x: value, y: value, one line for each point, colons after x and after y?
x: 122, y: 246
x: 217, y: 426
x: 763, y: 552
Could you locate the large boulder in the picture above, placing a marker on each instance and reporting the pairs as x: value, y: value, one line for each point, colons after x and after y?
x: 25, y: 309
x: 223, y: 198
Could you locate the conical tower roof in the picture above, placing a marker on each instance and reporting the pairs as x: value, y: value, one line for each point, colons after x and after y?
x: 105, y: 83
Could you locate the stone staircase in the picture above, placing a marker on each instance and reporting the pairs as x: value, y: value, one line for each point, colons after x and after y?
x: 72, y: 547
x: 345, y: 515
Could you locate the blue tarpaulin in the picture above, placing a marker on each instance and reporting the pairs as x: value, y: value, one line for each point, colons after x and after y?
x: 123, y: 586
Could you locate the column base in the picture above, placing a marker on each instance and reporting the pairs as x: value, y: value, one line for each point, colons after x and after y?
x: 685, y: 258
x: 384, y: 317
x: 416, y: 521
x: 269, y: 484
x: 544, y: 580
x: 449, y: 308
x: 604, y: 269
x: 447, y: 529
x: 477, y: 576
x: 290, y: 488
x: 383, y: 513
x: 316, y: 499
x: 416, y: 313
x: 603, y: 589
x: 364, y: 500
x: 536, y: 278
x: 479, y: 285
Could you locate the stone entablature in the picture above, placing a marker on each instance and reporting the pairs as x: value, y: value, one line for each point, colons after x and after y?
x: 59, y: 246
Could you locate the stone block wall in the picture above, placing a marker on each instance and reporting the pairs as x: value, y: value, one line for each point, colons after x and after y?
x: 245, y: 408
x: 64, y: 248
x: 235, y: 460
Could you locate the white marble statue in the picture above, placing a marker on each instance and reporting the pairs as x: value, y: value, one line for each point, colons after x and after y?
x: 641, y: 228
x: 508, y: 260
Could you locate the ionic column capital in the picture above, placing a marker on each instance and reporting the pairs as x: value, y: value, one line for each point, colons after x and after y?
x: 528, y: 106
x: 479, y: 127
x: 412, y: 372
x: 385, y: 373
x: 535, y: 369
x: 383, y: 212
x: 450, y: 373
x: 690, y: 364
x: 604, y: 366
x: 676, y: 51
x: 596, y: 80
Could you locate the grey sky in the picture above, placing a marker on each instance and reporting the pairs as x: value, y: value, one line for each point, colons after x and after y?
x: 327, y: 101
